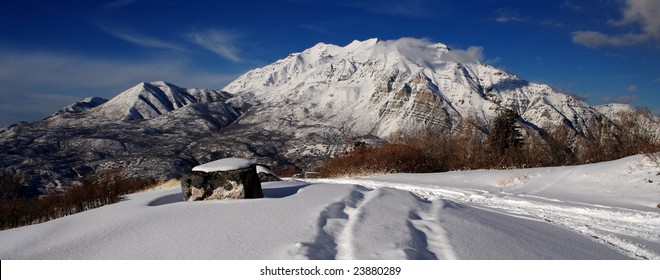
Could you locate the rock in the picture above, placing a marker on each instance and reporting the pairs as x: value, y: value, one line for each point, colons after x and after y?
x: 265, y: 174
x: 224, y: 184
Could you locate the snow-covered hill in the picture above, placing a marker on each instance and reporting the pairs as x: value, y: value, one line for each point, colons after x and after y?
x: 597, y: 211
x: 376, y: 87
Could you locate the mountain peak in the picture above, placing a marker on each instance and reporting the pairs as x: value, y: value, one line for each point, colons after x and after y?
x: 145, y: 101
x: 357, y: 44
x: 376, y: 87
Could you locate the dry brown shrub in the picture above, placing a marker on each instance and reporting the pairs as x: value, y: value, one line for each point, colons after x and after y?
x: 286, y: 171
x: 466, y: 146
x: 389, y: 158
x: 95, y: 191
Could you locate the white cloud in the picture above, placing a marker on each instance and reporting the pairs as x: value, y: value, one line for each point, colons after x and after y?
x: 493, y: 61
x: 646, y: 13
x: 505, y: 19
x: 505, y: 15
x: 140, y: 40
x: 220, y: 42
x: 642, y: 13
x: 425, y: 52
x: 632, y: 89
x: 472, y: 55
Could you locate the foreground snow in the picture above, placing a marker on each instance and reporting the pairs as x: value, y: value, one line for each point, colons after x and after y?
x: 598, y: 211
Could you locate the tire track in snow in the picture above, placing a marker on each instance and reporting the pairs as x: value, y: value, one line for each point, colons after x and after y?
x: 611, y: 226
x: 345, y: 229
x: 331, y: 226
x: 437, y: 237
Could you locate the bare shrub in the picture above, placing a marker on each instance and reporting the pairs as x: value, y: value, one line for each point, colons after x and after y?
x: 467, y: 146
x: 95, y: 191
x: 389, y: 158
x: 286, y: 171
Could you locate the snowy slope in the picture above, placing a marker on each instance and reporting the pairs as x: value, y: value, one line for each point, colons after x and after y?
x: 82, y: 105
x: 598, y: 211
x: 160, y: 104
x: 146, y: 101
x: 376, y: 87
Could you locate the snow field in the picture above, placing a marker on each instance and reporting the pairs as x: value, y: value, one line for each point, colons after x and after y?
x: 599, y: 211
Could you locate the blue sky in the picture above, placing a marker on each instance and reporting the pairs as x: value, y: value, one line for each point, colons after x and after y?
x: 53, y: 53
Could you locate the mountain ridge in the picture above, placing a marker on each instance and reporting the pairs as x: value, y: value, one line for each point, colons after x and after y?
x: 294, y: 112
x: 428, y: 82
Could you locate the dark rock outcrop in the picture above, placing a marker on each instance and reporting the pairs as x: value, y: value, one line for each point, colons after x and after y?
x: 230, y: 184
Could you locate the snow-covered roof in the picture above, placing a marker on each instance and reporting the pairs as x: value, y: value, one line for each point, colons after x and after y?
x: 224, y: 164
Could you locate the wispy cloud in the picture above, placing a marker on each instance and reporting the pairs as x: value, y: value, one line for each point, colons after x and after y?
x: 506, y: 15
x: 506, y: 19
x: 220, y: 42
x: 642, y: 13
x: 472, y: 55
x: 140, y: 40
x: 493, y: 61
x: 632, y: 89
x: 57, y: 70
x: 594, y: 39
x: 422, y: 51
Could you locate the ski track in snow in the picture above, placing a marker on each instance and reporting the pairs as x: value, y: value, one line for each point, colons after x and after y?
x: 615, y: 227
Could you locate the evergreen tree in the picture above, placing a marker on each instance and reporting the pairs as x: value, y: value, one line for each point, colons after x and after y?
x: 505, y: 136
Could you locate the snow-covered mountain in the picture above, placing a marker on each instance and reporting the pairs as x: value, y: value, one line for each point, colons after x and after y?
x: 297, y: 111
x: 146, y: 101
x: 156, y: 104
x: 149, y: 123
x: 376, y: 87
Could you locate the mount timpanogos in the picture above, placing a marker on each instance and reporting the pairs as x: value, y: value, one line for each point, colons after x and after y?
x: 297, y: 111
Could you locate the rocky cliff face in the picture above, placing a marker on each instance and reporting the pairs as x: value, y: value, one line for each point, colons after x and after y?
x: 295, y: 111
